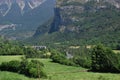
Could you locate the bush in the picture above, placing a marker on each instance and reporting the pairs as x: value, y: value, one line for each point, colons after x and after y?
x: 61, y: 58
x: 33, y: 68
x: 83, y: 62
x: 13, y: 66
x: 104, y: 60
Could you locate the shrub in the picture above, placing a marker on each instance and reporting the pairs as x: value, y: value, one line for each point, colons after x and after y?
x: 35, y: 69
x: 32, y: 68
x: 83, y: 62
x: 104, y: 60
x: 13, y: 66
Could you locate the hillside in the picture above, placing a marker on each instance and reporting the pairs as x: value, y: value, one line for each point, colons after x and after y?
x: 83, y: 22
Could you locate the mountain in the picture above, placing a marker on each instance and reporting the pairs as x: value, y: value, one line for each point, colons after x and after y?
x: 6, y: 5
x: 78, y: 22
x: 25, y: 15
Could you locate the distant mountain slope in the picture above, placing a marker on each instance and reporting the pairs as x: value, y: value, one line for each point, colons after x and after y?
x: 22, y: 4
x: 83, y: 22
x: 26, y: 15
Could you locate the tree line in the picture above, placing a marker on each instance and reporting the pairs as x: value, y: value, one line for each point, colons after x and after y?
x: 97, y: 59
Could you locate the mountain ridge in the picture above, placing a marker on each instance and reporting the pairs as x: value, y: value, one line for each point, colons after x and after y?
x: 25, y: 21
x: 21, y: 3
x: 82, y: 23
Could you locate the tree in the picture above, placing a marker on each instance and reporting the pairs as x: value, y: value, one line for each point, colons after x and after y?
x: 32, y: 68
x: 104, y: 60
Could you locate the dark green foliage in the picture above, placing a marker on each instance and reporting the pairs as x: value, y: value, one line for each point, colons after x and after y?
x: 7, y: 48
x: 81, y: 57
x: 118, y: 47
x: 32, y: 53
x: 83, y: 62
x: 57, y: 56
x: 32, y: 68
x: 61, y: 58
x: 104, y: 60
x: 118, y: 55
x: 13, y: 66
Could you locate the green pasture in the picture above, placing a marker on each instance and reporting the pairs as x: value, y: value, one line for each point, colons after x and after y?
x: 116, y: 51
x: 9, y: 58
x: 57, y: 71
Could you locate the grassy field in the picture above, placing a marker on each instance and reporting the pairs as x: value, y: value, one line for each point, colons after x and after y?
x: 12, y: 76
x: 9, y: 58
x: 116, y: 51
x: 58, y: 72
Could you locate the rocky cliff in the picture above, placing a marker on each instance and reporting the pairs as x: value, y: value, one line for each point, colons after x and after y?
x: 84, y: 21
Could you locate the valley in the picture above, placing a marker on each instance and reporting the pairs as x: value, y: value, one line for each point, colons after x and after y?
x: 57, y: 64
x: 59, y: 39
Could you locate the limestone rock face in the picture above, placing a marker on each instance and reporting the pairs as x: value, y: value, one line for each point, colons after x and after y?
x: 6, y: 5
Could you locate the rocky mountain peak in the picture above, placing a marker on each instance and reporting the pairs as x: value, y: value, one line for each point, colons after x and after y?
x: 6, y: 5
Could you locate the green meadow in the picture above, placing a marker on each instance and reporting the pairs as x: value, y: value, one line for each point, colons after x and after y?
x: 116, y: 51
x: 9, y: 58
x: 57, y: 71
